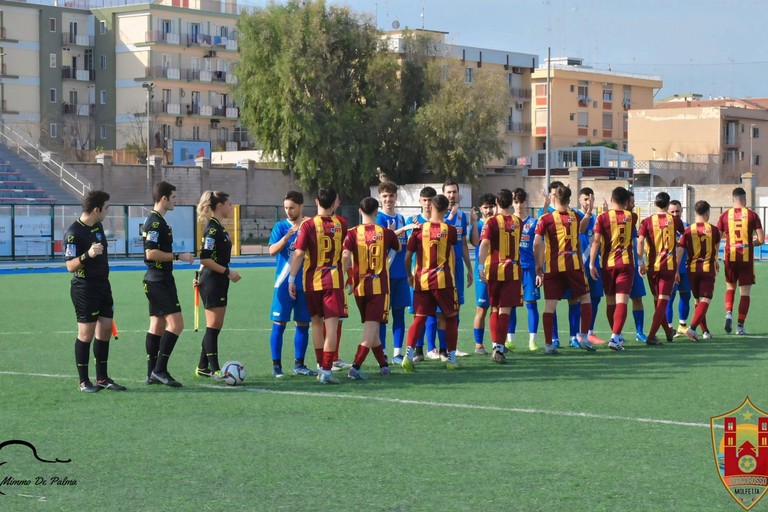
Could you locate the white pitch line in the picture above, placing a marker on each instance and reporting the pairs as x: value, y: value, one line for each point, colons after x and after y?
x: 473, y: 407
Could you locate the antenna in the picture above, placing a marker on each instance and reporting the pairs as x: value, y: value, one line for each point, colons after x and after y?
x: 422, y: 14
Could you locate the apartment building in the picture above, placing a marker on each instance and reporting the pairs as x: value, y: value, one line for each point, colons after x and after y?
x: 587, y: 104
x: 687, y: 139
x: 80, y: 75
x: 517, y: 69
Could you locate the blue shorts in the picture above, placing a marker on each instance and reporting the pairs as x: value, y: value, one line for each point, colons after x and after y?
x: 481, y: 292
x: 685, y: 283
x: 638, y: 286
x: 283, y: 304
x: 459, y: 281
x: 595, y: 285
x: 530, y: 292
x: 399, y: 293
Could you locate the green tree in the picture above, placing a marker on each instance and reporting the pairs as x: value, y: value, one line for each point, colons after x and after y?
x: 460, y: 125
x: 302, y: 90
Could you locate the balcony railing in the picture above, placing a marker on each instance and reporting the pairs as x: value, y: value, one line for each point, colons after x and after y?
x: 77, y: 39
x: 518, y: 127
x: 159, y: 36
x: 83, y: 75
x: 199, y: 40
x: 517, y: 92
x: 78, y: 109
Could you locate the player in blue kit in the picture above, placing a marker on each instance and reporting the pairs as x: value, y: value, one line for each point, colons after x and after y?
x: 429, y: 332
x: 638, y: 284
x: 683, y: 287
x: 281, y: 245
x: 586, y: 205
x: 487, y: 209
x: 531, y: 293
x: 458, y: 219
x: 399, y: 291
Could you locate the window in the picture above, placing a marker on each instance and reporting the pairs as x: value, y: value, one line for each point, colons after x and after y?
x: 541, y: 118
x: 583, y: 119
x: 52, y: 96
x: 583, y: 93
x: 103, y: 96
x: 102, y: 27
x: 103, y: 62
x: 52, y: 60
x: 742, y: 128
x: 52, y: 24
x: 195, y: 133
x: 541, y: 90
x: 103, y: 132
x: 469, y: 75
x: 627, y: 96
x: 756, y: 159
x: 571, y: 117
x: 568, y: 157
x: 607, y: 92
x: 573, y: 88
x: 53, y: 130
x: 755, y: 132
x: 608, y: 121
x: 590, y: 158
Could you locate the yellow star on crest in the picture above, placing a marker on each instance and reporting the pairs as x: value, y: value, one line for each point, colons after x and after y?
x: 747, y: 415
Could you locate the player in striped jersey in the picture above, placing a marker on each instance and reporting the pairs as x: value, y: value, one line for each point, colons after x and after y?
x: 365, y: 252
x: 319, y: 245
x: 559, y: 266
x: 742, y: 231
x: 660, y: 232
x: 487, y: 209
x: 282, y: 246
x: 499, y: 268
x: 701, y: 242
x: 400, y: 294
x: 433, y: 280
x: 613, y: 240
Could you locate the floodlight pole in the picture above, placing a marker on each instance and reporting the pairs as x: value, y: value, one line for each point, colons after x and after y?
x: 148, y: 86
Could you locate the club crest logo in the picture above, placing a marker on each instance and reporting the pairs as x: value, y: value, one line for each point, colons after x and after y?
x: 740, y: 448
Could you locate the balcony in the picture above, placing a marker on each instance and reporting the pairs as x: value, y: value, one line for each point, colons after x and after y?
x: 517, y: 92
x: 78, y: 109
x: 513, y: 127
x: 205, y: 76
x: 206, y: 110
x: 160, y: 37
x: 82, y: 75
x: 199, y: 40
x: 77, y: 39
x: 162, y: 72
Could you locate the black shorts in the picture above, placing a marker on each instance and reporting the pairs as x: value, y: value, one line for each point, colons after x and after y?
x: 91, y: 300
x: 162, y: 297
x: 213, y: 289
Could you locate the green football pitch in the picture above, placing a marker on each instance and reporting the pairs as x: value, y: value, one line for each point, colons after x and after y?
x: 603, y: 431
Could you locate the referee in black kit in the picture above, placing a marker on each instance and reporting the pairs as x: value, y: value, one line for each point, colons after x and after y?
x: 165, y: 319
x: 86, y: 256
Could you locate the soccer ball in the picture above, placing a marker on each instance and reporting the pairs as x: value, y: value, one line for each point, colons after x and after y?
x: 233, y: 373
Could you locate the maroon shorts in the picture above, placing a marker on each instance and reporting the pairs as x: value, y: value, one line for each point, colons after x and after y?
x: 618, y: 279
x: 661, y: 282
x: 373, y: 308
x: 556, y: 283
x: 327, y: 303
x: 741, y: 272
x: 505, y: 294
x: 702, y: 285
x: 426, y: 302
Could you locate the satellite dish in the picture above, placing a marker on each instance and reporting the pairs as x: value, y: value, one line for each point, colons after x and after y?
x: 395, y: 24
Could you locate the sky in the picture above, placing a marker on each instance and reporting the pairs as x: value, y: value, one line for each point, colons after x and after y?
x: 711, y: 47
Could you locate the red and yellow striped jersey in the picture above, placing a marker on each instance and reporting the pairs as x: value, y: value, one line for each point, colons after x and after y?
x: 660, y: 240
x: 321, y: 239
x: 701, y: 242
x: 560, y: 231
x: 503, y: 260
x: 616, y: 227
x: 737, y: 226
x: 432, y: 245
x: 369, y: 245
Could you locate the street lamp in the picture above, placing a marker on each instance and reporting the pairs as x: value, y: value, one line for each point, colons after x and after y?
x: 148, y: 86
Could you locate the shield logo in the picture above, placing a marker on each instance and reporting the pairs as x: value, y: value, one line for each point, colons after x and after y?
x: 740, y: 448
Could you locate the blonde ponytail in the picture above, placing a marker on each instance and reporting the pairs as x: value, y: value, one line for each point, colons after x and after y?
x: 204, y: 211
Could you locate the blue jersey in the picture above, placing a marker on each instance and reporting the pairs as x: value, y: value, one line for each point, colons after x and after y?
x: 683, y: 262
x: 397, y: 265
x: 527, y: 259
x: 585, y: 239
x: 285, y: 256
x: 480, y: 224
x: 461, y: 224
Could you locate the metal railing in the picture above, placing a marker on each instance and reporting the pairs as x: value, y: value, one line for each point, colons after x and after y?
x: 44, y: 160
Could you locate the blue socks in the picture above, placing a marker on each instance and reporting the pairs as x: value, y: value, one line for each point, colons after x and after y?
x: 383, y: 335
x: 574, y: 317
x: 300, y: 341
x: 533, y: 317
x: 684, y: 307
x: 639, y: 317
x: 276, y: 341
x: 512, y: 328
x: 479, y: 336
x: 595, y: 302
x: 398, y: 327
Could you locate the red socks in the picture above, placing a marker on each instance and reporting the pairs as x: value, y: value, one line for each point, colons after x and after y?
x: 729, y: 296
x: 586, y: 317
x: 548, y: 319
x: 362, y: 353
x: 619, y: 317
x: 493, y: 323
x: 743, y: 308
x: 452, y: 332
x: 378, y: 353
x: 610, y: 312
x: 502, y: 325
x: 699, y: 315
x: 415, y: 330
x: 659, y: 316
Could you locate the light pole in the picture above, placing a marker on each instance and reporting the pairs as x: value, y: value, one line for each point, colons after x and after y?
x: 751, y: 138
x: 148, y: 86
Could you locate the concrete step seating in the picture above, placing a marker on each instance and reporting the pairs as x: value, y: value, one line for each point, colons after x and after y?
x: 15, y: 189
